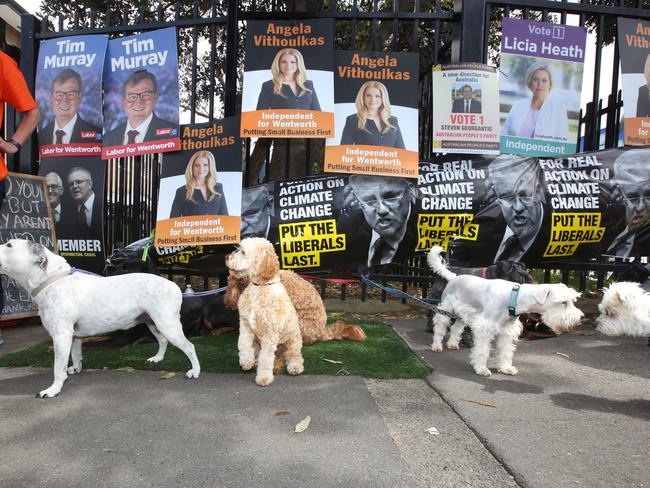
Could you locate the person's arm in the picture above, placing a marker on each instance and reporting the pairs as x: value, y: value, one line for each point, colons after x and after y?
x: 314, y: 99
x: 264, y: 99
x: 507, y: 129
x: 223, y: 206
x: 31, y: 118
x: 399, y: 142
x: 177, y: 204
x: 348, y: 131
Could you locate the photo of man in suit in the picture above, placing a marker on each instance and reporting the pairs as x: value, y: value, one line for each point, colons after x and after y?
x: 387, y: 206
x: 632, y: 187
x: 511, y: 220
x: 67, y: 127
x: 87, y: 216
x: 54, y: 194
x: 467, y: 104
x: 139, y: 97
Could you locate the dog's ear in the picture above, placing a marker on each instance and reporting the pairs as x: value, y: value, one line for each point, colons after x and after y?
x: 266, y: 264
x: 42, y: 262
x: 40, y: 257
x: 540, y: 293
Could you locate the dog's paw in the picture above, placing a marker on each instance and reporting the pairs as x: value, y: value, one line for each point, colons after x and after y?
x: 453, y: 346
x: 511, y: 370
x: 74, y: 369
x: 436, y: 347
x: 155, y: 359
x: 247, y: 365
x: 192, y: 374
x: 295, y: 368
x: 483, y: 371
x: 49, y: 393
x: 264, y: 380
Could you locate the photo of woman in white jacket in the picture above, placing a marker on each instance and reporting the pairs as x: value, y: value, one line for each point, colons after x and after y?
x: 540, y: 115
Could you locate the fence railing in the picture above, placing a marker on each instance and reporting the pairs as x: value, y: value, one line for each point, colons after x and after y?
x: 212, y: 34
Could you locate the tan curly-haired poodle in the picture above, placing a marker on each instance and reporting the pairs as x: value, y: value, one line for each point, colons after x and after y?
x: 307, y: 302
x: 267, y: 317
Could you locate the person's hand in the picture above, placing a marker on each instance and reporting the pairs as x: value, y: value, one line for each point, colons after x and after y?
x: 7, y: 147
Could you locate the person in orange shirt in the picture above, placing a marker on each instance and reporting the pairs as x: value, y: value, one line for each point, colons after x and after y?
x: 14, y: 91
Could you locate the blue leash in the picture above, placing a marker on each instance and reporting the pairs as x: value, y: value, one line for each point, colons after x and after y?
x: 428, y: 303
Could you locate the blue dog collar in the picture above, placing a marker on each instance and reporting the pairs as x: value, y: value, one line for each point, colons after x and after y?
x: 513, y: 300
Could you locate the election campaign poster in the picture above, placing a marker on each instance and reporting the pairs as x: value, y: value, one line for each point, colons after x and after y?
x: 375, y: 114
x: 539, y: 209
x: 465, y: 109
x: 634, y: 46
x: 450, y: 190
x: 539, y: 88
x: 288, y: 80
x: 75, y: 192
x: 68, y: 87
x: 141, y: 101
x: 200, y: 187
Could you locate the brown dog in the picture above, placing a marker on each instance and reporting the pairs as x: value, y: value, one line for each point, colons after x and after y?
x: 309, y: 306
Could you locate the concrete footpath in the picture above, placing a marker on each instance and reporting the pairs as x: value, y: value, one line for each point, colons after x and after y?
x: 576, y: 415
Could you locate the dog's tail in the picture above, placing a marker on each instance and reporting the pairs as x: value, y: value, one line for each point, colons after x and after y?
x: 437, y: 265
x: 342, y: 330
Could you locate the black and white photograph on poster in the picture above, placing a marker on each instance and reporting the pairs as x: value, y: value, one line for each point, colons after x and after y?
x: 257, y: 210
x: 199, y: 200
x: 68, y: 86
x: 75, y: 192
x: 376, y: 114
x: 141, y: 97
x: 288, y: 88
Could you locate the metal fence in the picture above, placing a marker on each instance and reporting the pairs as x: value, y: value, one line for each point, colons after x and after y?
x: 211, y: 37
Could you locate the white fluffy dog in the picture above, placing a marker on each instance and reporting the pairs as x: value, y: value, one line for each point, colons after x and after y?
x: 78, y: 305
x: 625, y: 309
x: 267, y: 317
x: 484, y: 305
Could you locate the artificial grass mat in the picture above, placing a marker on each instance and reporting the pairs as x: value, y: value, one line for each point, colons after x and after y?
x: 382, y: 355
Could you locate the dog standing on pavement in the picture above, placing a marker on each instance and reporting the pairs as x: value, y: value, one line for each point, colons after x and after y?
x: 76, y: 305
x: 490, y: 309
x: 624, y: 310
x: 506, y: 270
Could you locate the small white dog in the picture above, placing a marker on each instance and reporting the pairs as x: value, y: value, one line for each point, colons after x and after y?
x: 624, y: 309
x: 267, y: 317
x: 491, y: 307
x: 78, y: 305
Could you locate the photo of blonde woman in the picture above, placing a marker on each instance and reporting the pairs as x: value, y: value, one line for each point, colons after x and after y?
x: 201, y: 194
x: 289, y: 87
x: 373, y: 124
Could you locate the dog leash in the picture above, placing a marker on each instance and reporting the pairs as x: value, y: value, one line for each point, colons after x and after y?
x: 422, y: 302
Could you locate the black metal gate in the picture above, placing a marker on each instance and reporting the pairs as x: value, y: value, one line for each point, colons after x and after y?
x: 212, y: 33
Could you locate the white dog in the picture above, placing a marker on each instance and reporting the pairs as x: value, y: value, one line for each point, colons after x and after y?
x: 490, y: 308
x: 625, y: 309
x: 78, y: 305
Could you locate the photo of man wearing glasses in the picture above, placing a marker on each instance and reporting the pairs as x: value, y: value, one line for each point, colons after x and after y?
x: 388, y: 208
x: 84, y: 218
x: 511, y: 223
x: 67, y: 127
x: 139, y: 97
x: 632, y: 189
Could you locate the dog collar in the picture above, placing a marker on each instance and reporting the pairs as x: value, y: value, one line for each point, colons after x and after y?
x: 265, y: 284
x: 513, y: 300
x: 47, y: 283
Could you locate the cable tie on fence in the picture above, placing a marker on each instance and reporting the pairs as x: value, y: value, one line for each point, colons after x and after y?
x: 145, y: 253
x: 422, y: 302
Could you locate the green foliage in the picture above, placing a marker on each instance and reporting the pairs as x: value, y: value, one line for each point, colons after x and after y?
x: 382, y: 355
